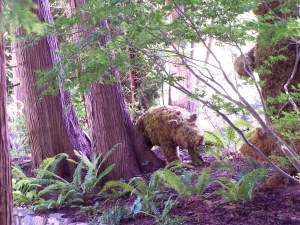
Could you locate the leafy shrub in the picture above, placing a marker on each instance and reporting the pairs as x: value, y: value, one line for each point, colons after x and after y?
x: 242, y: 189
x: 90, y: 210
x: 18, y: 135
x: 150, y: 197
x: 58, y: 191
x: 216, y: 141
x: 113, y: 215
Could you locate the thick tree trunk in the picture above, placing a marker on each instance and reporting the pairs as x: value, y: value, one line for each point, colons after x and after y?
x: 5, y: 176
x: 51, y: 127
x: 44, y: 116
x: 110, y: 124
x: 75, y: 133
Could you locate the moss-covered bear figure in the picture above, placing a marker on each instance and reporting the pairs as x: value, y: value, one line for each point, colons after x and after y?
x: 280, y: 71
x: 264, y: 143
x: 169, y: 127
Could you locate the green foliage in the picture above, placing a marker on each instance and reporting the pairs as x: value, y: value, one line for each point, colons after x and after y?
x: 78, y: 103
x: 113, y: 215
x: 286, y: 123
x: 177, y: 166
x: 17, y: 14
x: 24, y: 189
x: 165, y: 219
x: 217, y: 141
x: 150, y: 197
x: 90, y: 210
x: 18, y: 135
x: 241, y: 190
x: 48, y: 190
x: 145, y: 24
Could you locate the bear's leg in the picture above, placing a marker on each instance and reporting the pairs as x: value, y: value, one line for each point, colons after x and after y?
x: 170, y: 153
x: 196, y: 158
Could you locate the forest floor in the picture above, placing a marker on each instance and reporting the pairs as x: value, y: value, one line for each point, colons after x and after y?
x: 268, y: 207
x: 273, y: 207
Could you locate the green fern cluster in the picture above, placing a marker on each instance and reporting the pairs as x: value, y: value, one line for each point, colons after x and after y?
x: 49, y: 190
x: 229, y: 138
x: 150, y: 196
x: 242, y: 189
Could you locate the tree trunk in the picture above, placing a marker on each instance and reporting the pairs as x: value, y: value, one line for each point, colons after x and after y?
x: 77, y: 137
x: 110, y: 123
x: 176, y: 97
x: 51, y: 127
x: 5, y: 175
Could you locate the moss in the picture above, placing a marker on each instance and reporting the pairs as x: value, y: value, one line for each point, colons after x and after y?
x: 245, y: 61
x: 169, y: 127
x: 265, y: 144
x: 268, y: 5
x: 279, y: 72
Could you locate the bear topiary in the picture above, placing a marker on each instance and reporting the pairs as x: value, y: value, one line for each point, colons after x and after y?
x: 264, y: 143
x: 279, y: 71
x: 169, y: 127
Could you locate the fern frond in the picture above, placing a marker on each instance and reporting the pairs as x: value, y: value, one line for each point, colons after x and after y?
x: 77, y: 176
x: 139, y: 184
x: 177, y: 165
x: 119, y: 184
x: 215, y: 138
x: 17, y: 172
x: 46, y: 182
x: 46, y: 173
x: 83, y: 158
x: 170, y: 179
x: 50, y: 164
x: 102, y: 174
x: 53, y: 188
x: 203, y: 181
x: 114, y: 148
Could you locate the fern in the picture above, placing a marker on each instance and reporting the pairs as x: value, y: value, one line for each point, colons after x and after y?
x: 170, y: 179
x: 140, y: 185
x: 242, y: 189
x: 203, y: 181
x: 18, y: 172
x: 114, y: 148
x: 30, y: 190
x: 230, y: 139
x: 77, y: 176
x: 177, y: 165
x: 50, y: 164
x: 214, y: 138
x: 113, y: 184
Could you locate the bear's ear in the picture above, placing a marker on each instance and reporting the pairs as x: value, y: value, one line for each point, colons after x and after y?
x: 174, y: 123
x: 193, y: 117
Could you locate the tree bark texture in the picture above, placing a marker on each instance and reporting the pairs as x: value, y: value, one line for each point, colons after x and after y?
x: 110, y: 123
x: 47, y: 130
x: 75, y: 133
x: 5, y: 174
